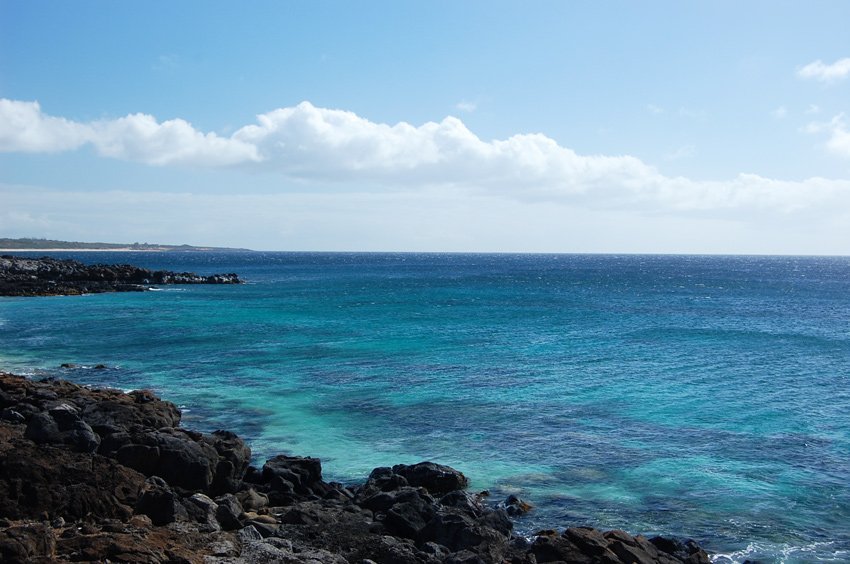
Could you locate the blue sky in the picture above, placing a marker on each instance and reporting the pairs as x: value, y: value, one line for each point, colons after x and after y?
x: 448, y: 126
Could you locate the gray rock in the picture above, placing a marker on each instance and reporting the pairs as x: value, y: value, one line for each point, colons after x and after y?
x: 229, y: 512
x: 248, y: 534
x: 202, y: 509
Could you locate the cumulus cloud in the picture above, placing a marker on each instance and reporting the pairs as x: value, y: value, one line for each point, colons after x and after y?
x: 24, y: 128
x: 137, y: 137
x: 822, y: 72
x: 319, y: 145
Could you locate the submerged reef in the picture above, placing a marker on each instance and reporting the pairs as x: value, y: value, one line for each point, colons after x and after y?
x: 53, y: 277
x: 96, y: 475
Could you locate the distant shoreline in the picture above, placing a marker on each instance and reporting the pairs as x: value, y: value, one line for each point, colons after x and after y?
x: 118, y: 250
x: 126, y: 250
x: 35, y: 245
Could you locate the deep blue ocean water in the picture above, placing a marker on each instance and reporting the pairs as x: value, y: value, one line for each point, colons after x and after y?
x: 696, y: 396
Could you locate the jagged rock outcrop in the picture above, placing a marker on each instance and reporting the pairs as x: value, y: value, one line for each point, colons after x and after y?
x: 50, y: 277
x: 94, y: 475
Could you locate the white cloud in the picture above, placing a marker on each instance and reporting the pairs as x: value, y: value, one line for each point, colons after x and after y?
x: 318, y: 145
x: 23, y: 128
x: 653, y: 109
x: 780, y: 112
x: 839, y: 136
x: 465, y: 106
x: 812, y: 109
x: 137, y: 137
x: 822, y: 72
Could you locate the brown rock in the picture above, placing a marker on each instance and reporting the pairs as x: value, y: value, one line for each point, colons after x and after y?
x: 25, y: 543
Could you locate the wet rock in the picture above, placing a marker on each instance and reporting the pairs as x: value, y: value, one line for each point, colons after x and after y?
x: 301, y: 472
x: 435, y: 478
x: 590, y: 541
x: 515, y: 506
x: 686, y: 551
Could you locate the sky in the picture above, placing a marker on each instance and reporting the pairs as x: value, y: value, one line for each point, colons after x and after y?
x: 545, y: 126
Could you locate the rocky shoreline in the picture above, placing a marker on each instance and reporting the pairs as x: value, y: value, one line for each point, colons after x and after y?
x: 98, y: 475
x: 47, y: 276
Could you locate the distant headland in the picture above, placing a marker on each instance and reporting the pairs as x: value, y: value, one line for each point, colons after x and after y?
x: 45, y: 276
x: 30, y: 244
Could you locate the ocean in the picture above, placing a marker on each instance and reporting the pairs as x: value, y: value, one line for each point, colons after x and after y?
x: 696, y: 396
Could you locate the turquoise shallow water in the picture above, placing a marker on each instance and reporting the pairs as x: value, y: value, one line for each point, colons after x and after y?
x: 697, y: 396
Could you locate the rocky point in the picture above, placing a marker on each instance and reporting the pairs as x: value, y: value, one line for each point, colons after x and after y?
x: 52, y: 277
x: 98, y: 475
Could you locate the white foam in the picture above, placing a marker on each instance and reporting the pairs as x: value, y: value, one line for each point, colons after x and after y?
x: 814, y: 551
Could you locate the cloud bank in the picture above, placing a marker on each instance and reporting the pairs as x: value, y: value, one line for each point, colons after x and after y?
x: 822, y: 72
x: 136, y: 137
x: 322, y: 145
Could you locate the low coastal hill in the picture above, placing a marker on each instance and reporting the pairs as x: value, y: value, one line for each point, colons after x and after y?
x: 97, y: 475
x: 47, y: 276
x: 36, y: 244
